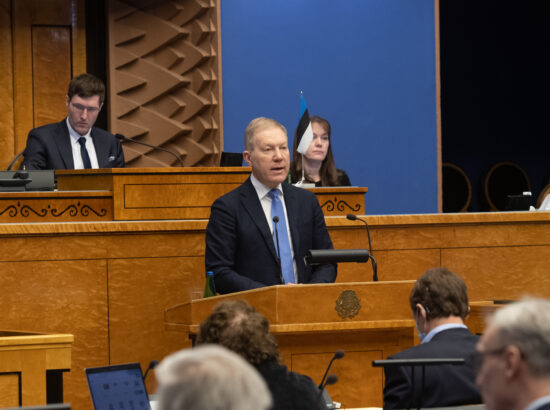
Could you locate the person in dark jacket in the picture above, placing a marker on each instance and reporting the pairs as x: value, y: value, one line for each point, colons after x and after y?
x: 239, y: 327
x: 317, y: 165
x: 439, y: 301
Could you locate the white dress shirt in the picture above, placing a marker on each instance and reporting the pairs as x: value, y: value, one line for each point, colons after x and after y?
x: 265, y: 200
x: 75, y: 145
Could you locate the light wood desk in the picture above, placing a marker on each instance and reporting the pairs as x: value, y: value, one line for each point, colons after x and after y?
x: 32, y: 366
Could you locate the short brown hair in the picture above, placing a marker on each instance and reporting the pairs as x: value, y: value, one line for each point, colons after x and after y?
x: 257, y: 125
x: 239, y: 327
x: 86, y: 85
x: 442, y: 293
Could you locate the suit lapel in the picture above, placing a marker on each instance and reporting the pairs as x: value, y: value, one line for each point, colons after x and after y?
x: 101, y: 149
x: 293, y: 214
x: 251, y: 203
x: 63, y: 141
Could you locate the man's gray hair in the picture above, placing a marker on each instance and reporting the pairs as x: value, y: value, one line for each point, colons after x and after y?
x: 257, y: 125
x: 210, y: 377
x: 526, y: 324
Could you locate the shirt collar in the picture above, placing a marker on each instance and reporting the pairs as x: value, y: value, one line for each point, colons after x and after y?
x: 538, y: 403
x: 441, y: 328
x: 75, y: 134
x: 260, y: 188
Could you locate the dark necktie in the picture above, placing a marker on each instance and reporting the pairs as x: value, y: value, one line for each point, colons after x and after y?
x: 84, y: 153
x: 287, y: 265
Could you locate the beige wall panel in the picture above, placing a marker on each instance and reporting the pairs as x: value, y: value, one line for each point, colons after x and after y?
x: 6, y: 85
x: 51, y: 59
x: 61, y: 297
x: 501, y: 272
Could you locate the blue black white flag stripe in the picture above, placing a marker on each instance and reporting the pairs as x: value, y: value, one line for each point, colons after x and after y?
x: 304, y: 132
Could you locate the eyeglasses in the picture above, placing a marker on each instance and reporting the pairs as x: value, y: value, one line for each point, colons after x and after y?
x: 475, y: 359
x: 81, y: 108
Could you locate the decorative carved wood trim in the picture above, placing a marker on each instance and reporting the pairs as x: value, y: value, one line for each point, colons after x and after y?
x: 165, y: 80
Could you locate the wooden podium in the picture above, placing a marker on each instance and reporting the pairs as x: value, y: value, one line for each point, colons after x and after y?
x: 369, y: 321
x: 32, y: 366
x: 137, y: 194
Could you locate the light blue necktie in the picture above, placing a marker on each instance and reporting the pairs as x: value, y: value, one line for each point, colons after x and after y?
x: 287, y: 265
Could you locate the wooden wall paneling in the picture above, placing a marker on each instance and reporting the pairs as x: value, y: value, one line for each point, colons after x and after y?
x: 363, y: 383
x: 9, y: 389
x: 42, y: 67
x: 165, y: 80
x: 140, y: 290
x: 507, y: 272
x: 68, y: 296
x: 51, y: 65
x: 6, y: 85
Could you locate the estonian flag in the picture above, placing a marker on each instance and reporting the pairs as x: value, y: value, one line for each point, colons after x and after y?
x: 304, y: 132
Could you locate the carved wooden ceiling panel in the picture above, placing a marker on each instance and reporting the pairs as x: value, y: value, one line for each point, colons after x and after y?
x: 164, y: 80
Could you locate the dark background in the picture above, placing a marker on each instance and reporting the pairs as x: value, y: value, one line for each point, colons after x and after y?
x: 494, y: 90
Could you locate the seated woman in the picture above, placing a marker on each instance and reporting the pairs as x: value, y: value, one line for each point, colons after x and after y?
x: 317, y: 165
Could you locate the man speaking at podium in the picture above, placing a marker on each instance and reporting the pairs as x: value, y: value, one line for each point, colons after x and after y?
x: 74, y: 143
x: 259, y: 233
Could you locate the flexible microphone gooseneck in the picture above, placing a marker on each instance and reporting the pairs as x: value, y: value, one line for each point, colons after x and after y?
x: 337, y: 356
x: 327, y: 381
x: 122, y: 137
x: 152, y: 364
x: 12, y: 163
x: 275, y: 223
x: 353, y: 217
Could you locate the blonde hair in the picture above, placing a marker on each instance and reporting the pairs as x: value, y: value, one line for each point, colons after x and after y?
x: 257, y: 125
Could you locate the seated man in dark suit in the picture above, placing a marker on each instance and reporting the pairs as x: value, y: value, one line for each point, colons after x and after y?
x: 439, y: 301
x: 248, y: 224
x: 513, y: 357
x: 239, y: 327
x: 74, y: 143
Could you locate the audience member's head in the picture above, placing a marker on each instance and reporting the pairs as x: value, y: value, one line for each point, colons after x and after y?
x: 239, y: 327
x: 514, y: 356
x: 439, y: 296
x: 210, y: 378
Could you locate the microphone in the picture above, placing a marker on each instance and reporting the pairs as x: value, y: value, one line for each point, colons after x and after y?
x: 122, y: 137
x: 323, y: 394
x: 319, y: 256
x: 337, y: 356
x: 353, y: 217
x: 275, y: 222
x: 152, y: 364
x: 330, y: 380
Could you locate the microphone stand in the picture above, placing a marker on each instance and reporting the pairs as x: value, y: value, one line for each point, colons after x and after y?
x: 122, y: 137
x: 353, y: 217
x: 275, y: 223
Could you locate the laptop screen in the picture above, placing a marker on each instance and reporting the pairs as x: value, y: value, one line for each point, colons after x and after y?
x: 117, y: 387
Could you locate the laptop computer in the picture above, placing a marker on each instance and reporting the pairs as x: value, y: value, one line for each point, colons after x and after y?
x: 118, y: 387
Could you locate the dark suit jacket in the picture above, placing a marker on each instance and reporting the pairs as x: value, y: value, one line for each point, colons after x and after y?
x: 445, y: 385
x: 290, y: 391
x: 49, y: 147
x: 240, y: 249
